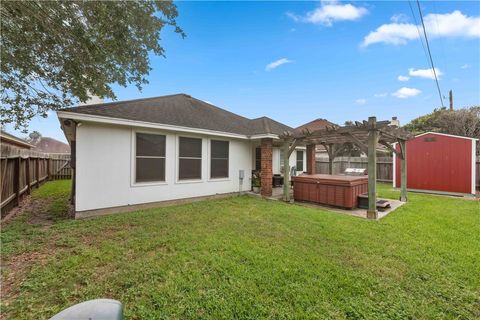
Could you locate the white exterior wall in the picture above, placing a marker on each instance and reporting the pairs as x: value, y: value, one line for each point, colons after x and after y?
x: 294, y: 163
x: 276, y: 165
x: 105, y: 175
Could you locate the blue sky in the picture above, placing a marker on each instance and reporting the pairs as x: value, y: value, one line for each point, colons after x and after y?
x: 297, y: 61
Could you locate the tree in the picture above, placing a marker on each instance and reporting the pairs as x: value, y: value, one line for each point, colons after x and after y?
x: 462, y: 122
x: 55, y: 54
x: 34, y: 136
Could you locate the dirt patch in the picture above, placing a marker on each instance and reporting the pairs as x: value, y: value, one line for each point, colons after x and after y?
x: 37, y: 211
x: 14, y: 271
x: 20, y: 209
x: 39, y: 214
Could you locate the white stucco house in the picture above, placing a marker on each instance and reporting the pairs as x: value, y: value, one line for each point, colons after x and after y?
x: 146, y: 151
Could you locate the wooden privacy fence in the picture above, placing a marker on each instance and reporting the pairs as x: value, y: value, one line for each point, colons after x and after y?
x: 384, y: 166
x: 23, y: 169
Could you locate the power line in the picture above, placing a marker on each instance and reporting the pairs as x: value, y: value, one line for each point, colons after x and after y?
x: 430, y: 53
x: 420, y: 38
x: 445, y: 62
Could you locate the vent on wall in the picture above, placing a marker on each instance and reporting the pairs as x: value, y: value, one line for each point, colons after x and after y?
x: 429, y: 139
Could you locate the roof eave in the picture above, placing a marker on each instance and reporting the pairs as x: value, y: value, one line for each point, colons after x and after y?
x: 143, y: 124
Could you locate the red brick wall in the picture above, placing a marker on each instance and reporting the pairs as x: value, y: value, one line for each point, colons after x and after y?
x: 310, y: 158
x: 266, y: 167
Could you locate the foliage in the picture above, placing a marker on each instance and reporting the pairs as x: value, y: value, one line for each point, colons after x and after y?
x: 462, y: 122
x: 55, y: 52
x: 34, y: 135
x: 248, y: 258
x: 256, y: 179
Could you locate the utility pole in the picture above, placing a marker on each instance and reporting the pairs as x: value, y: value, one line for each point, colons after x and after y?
x: 450, y: 96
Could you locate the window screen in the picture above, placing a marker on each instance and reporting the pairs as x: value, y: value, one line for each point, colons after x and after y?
x: 190, y: 159
x: 150, y: 157
x: 258, y: 159
x: 299, y: 160
x: 219, y: 159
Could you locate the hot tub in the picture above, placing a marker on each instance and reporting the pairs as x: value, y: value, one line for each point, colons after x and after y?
x: 334, y: 190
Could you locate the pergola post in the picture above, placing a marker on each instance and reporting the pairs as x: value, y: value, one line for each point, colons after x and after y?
x: 311, y: 158
x: 286, y: 170
x: 373, y: 134
x: 403, y: 171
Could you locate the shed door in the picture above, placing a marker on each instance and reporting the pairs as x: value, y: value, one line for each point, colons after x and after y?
x: 439, y: 163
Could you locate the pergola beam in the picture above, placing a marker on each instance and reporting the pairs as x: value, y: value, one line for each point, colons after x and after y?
x: 295, y: 143
x: 356, y: 141
x: 389, y: 147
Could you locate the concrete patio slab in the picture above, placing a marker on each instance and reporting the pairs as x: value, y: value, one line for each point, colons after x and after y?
x: 361, y: 213
x: 277, y: 194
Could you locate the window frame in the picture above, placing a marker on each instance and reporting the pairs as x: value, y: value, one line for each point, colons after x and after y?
x: 133, y: 166
x: 210, y: 178
x: 302, y: 161
x: 280, y: 159
x: 177, y: 171
x: 259, y: 148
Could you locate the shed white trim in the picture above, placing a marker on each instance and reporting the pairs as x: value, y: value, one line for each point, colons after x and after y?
x: 474, y: 159
x: 394, y: 175
x: 447, y: 135
x: 441, y: 134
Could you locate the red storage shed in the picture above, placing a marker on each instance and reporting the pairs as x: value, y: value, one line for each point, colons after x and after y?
x: 440, y: 163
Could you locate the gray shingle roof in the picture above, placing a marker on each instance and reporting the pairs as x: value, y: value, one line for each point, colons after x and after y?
x: 185, y: 111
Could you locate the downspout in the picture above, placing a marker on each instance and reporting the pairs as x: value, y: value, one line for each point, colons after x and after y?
x: 73, y: 154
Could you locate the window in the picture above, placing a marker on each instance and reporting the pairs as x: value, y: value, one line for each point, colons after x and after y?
x: 258, y: 159
x: 150, y: 157
x: 189, y: 158
x: 299, y: 160
x: 281, y: 161
x: 219, y: 159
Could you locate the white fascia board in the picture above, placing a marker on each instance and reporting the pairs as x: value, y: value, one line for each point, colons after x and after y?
x: 143, y: 124
x: 394, y: 176
x: 446, y: 135
x: 262, y: 136
x: 474, y: 159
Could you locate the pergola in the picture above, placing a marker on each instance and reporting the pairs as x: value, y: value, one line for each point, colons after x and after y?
x: 367, y: 136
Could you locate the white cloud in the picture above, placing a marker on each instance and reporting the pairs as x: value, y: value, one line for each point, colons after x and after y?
x: 465, y: 66
x: 454, y: 24
x: 277, y: 63
x: 405, y: 92
x: 380, y: 95
x: 425, y: 73
x: 403, y: 78
x: 400, y: 17
x: 361, y: 101
x: 329, y: 12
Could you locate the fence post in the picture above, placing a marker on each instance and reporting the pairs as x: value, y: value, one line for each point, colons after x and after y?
x: 37, y: 171
x: 16, y: 180
x: 27, y: 175
x: 49, y: 170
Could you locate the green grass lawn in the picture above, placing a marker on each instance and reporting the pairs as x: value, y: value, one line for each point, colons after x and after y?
x: 249, y: 258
